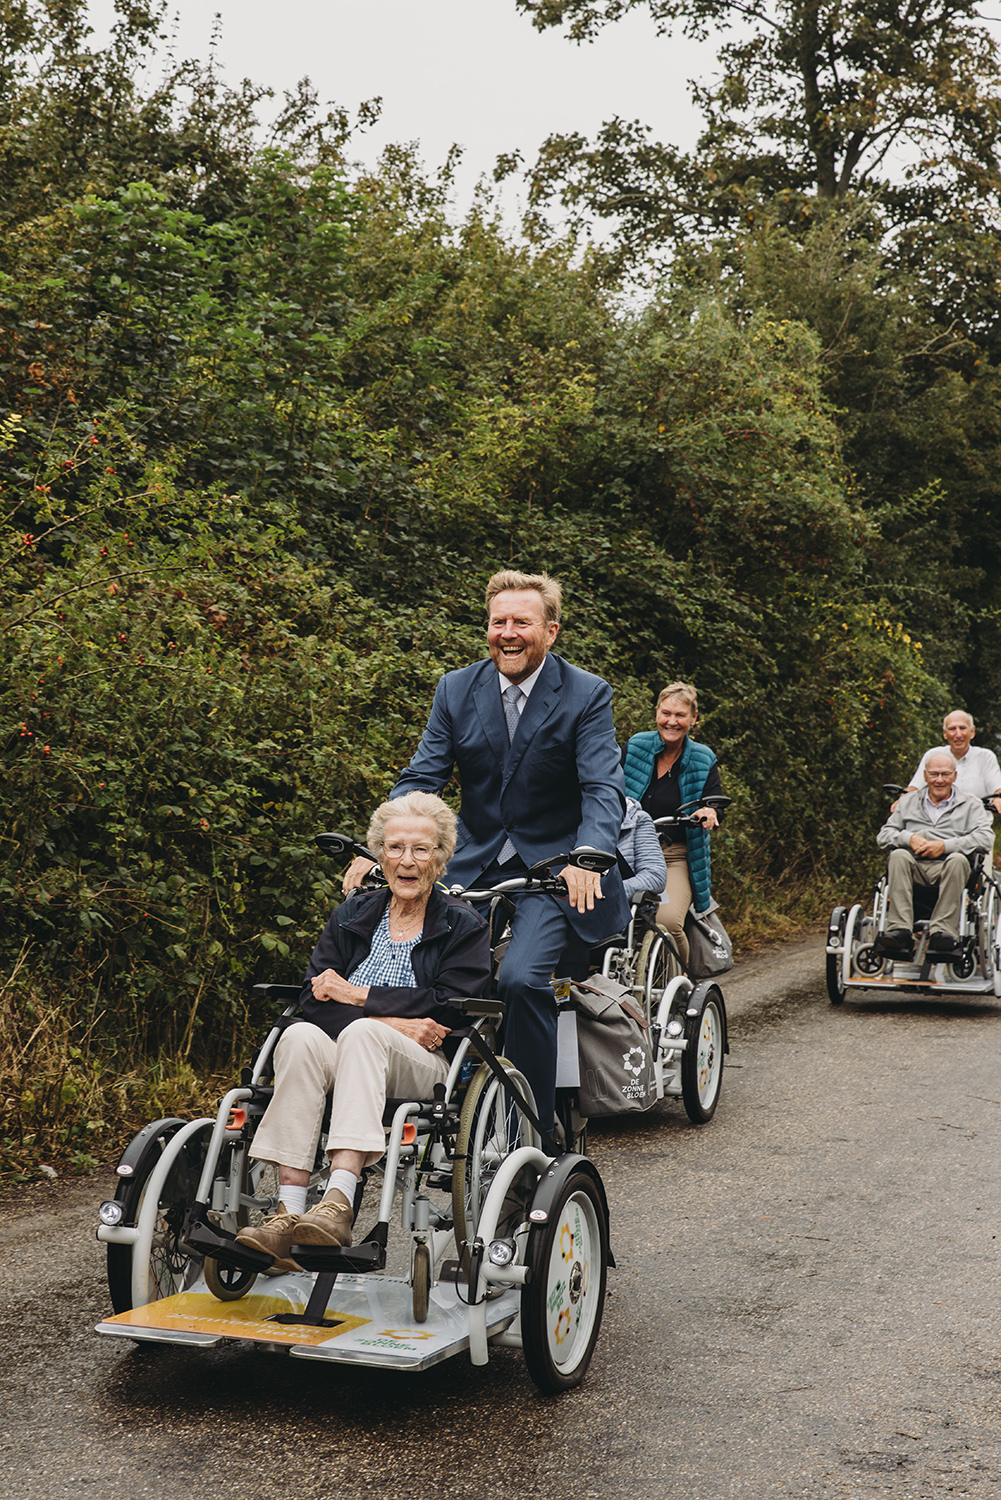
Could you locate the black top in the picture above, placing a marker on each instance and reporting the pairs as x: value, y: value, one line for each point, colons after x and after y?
x: 662, y: 797
x: 452, y: 958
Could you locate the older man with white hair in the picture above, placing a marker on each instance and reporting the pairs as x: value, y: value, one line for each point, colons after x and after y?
x: 977, y: 771
x: 931, y: 836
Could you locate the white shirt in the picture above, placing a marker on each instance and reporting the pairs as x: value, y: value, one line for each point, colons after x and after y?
x: 977, y: 773
x: 524, y: 688
x: 936, y: 809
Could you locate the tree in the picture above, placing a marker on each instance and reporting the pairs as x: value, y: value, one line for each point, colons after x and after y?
x: 821, y: 100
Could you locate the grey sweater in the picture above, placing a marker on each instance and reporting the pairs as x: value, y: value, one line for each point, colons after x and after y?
x: 965, y: 829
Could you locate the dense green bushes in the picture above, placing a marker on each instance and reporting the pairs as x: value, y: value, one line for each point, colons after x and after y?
x: 268, y: 428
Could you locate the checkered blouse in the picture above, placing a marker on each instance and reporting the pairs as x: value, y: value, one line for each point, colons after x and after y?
x: 387, y: 962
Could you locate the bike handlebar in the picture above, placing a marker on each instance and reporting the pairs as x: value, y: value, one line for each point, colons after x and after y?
x: 518, y: 885
x: 893, y: 790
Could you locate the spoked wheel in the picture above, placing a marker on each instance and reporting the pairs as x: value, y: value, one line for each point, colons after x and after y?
x: 702, y: 1059
x: 658, y: 964
x: 491, y: 1126
x: 990, y: 935
x: 562, y: 1302
x: 421, y: 1283
x: 156, y: 1200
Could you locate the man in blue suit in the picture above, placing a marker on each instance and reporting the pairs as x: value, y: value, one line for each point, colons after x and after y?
x: 534, y: 745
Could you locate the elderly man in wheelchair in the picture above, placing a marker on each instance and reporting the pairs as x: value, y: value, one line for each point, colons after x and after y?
x: 376, y: 1023
x: 933, y: 837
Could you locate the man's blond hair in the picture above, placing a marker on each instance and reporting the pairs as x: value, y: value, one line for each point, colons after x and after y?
x: 546, y: 587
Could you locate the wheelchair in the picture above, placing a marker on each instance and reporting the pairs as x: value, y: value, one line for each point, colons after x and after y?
x: 856, y: 958
x: 505, y: 1238
x: 688, y: 1026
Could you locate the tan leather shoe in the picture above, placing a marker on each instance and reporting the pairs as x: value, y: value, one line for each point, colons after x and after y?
x: 275, y: 1236
x: 329, y: 1223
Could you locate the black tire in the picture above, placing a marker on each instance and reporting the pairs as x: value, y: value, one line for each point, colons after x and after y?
x: 230, y: 1283
x: 562, y: 1303
x: 702, y: 1059
x: 835, y: 975
x: 422, y: 1283
x: 490, y: 1128
x: 656, y: 966
x: 145, y: 1150
x: 227, y: 1283
x: 167, y: 1267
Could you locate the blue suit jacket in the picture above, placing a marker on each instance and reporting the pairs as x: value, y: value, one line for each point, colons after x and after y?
x: 556, y: 785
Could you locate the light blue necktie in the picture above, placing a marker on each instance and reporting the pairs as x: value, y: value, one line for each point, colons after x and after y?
x: 511, y: 695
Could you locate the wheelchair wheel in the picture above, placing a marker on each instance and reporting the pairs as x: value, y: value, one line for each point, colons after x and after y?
x: 156, y: 1200
x: 657, y: 965
x: 421, y: 1283
x: 702, y: 1059
x: 230, y: 1283
x: 562, y: 1302
x: 491, y: 1126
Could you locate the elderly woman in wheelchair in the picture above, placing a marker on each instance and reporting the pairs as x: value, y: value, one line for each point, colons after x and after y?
x: 377, y: 1023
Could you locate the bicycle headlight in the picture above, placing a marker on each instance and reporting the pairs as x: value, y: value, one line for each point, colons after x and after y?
x: 501, y: 1252
x: 111, y: 1213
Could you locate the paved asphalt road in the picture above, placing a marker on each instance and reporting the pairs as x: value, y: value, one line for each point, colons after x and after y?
x: 806, y: 1306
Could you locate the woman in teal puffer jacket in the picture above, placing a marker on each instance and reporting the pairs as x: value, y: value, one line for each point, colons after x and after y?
x: 665, y: 768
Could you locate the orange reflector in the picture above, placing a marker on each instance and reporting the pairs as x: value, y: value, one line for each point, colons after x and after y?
x: 237, y: 1119
x: 409, y: 1134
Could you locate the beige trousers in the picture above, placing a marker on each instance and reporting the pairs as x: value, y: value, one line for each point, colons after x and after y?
x: 368, y: 1063
x: 679, y: 897
x: 905, y: 871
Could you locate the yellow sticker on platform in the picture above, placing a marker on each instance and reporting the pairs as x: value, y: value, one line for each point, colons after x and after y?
x: 200, y: 1312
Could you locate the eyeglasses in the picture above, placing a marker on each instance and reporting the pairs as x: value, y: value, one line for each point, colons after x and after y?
x: 420, y: 852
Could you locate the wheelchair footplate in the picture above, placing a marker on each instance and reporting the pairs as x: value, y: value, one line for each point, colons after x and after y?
x: 369, y: 1320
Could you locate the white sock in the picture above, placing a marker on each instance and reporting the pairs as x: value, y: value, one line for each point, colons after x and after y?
x: 293, y: 1197
x: 345, y: 1182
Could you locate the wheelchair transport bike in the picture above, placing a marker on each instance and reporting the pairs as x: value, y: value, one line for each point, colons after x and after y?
x: 856, y: 958
x: 505, y: 1238
x: 687, y: 1020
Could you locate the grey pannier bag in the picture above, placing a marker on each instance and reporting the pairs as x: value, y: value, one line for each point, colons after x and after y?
x: 709, y: 949
x: 613, y: 1042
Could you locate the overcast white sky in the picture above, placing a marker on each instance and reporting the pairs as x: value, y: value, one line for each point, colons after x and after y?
x: 474, y: 72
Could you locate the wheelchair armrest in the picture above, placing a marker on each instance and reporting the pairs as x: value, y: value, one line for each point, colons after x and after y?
x: 477, y: 1005
x: 281, y: 994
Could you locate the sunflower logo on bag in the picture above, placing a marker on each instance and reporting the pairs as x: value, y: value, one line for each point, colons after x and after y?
x: 633, y: 1061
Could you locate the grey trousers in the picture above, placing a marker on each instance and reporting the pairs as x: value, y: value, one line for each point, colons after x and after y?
x: 368, y: 1063
x: 905, y: 871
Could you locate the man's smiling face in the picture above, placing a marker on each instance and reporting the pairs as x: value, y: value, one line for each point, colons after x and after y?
x: 518, y: 636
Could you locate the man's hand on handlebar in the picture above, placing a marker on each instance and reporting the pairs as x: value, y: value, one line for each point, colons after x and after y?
x: 356, y: 872
x: 583, y: 887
